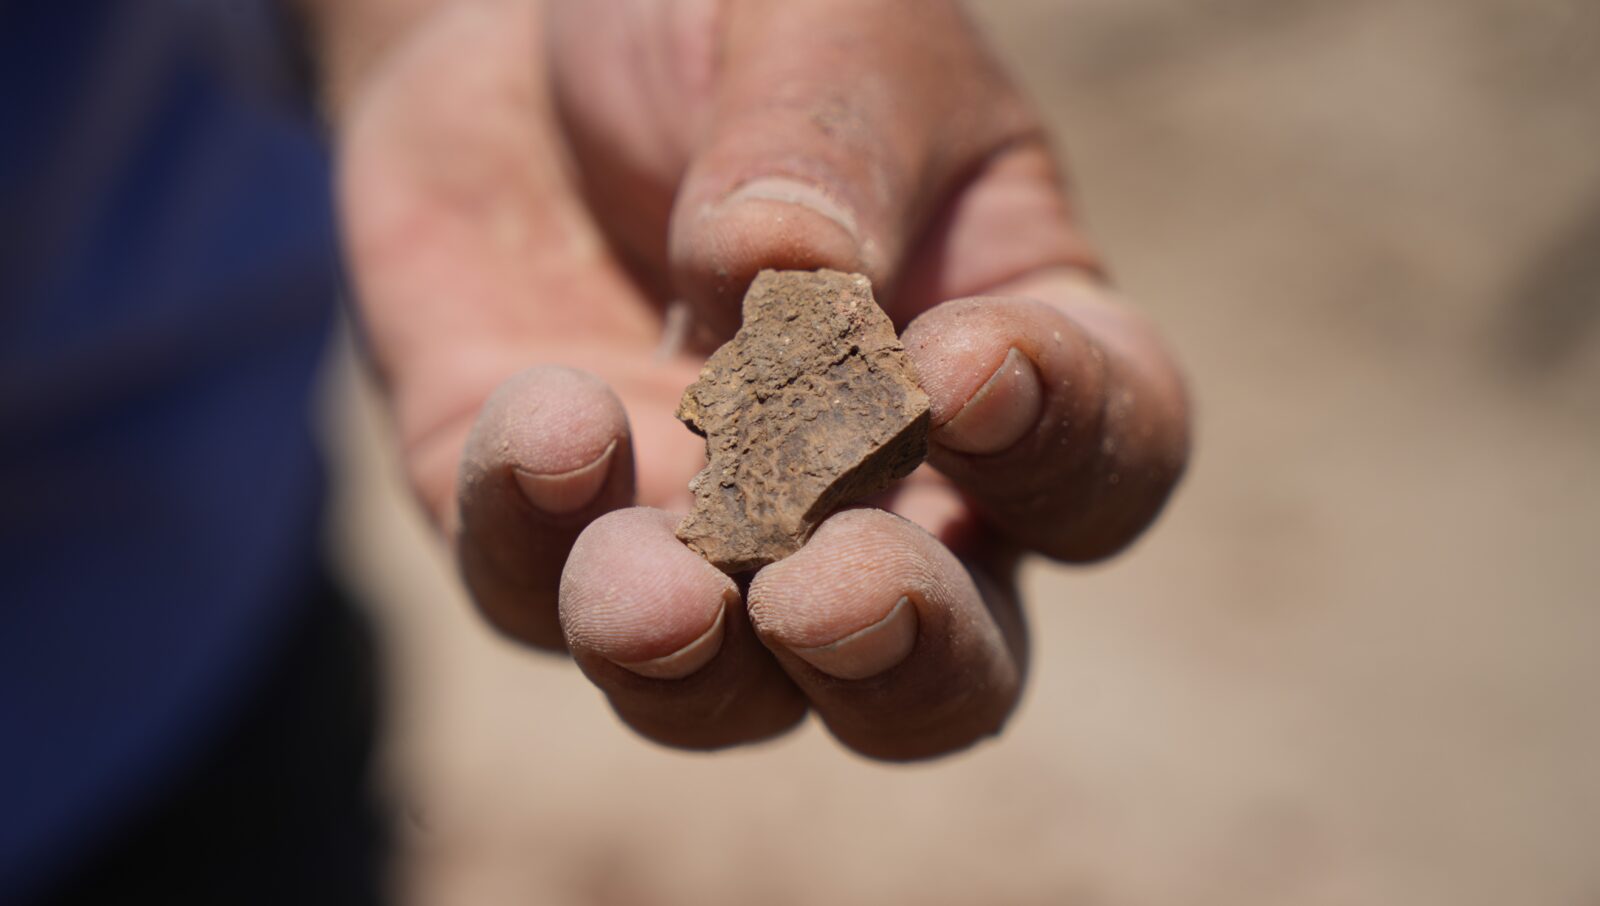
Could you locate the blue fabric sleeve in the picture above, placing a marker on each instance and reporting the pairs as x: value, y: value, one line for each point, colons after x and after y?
x: 167, y: 273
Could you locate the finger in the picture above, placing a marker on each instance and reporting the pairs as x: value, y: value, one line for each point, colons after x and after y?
x: 1066, y: 423
x: 471, y: 255
x: 666, y: 638
x: 837, y: 128
x: 631, y: 82
x: 890, y: 637
x: 549, y: 453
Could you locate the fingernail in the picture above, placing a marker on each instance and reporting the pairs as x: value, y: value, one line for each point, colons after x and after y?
x: 792, y: 191
x: 559, y: 493
x: 1000, y: 413
x: 685, y: 660
x: 870, y: 651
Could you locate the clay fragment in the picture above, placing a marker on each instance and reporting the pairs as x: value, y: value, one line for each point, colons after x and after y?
x: 811, y: 406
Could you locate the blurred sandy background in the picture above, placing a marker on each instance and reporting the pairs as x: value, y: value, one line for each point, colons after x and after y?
x: 1357, y: 662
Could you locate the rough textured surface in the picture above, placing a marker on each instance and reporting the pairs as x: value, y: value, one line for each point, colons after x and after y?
x: 812, y: 405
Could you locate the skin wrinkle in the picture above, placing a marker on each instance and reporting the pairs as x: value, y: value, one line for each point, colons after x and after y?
x: 1004, y: 410
x: 631, y: 609
x: 544, y: 422
x: 791, y: 191
x: 845, y: 640
x: 723, y: 703
x: 824, y: 608
x: 689, y: 658
x: 814, y: 597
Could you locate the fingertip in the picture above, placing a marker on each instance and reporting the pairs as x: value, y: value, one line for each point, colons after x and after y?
x: 1093, y: 461
x: 632, y: 594
x: 689, y: 658
x: 561, y: 434
x: 889, y: 635
x: 991, y: 366
x: 870, y: 650
x: 1002, y: 411
x: 846, y: 602
x: 959, y: 345
x: 781, y: 196
x: 774, y: 222
x: 550, y: 450
x: 560, y: 493
x: 665, y: 636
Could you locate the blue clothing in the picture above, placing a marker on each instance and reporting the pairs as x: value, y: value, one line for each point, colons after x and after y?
x: 167, y: 274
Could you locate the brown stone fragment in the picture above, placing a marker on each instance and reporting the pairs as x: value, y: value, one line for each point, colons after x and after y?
x: 811, y: 406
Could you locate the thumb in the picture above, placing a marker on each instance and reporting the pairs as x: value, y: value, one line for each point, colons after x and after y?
x: 838, y: 129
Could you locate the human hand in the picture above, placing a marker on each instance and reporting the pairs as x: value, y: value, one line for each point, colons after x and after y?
x: 524, y: 189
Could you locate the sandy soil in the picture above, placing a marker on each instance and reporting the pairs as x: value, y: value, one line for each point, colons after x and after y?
x: 1356, y: 663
